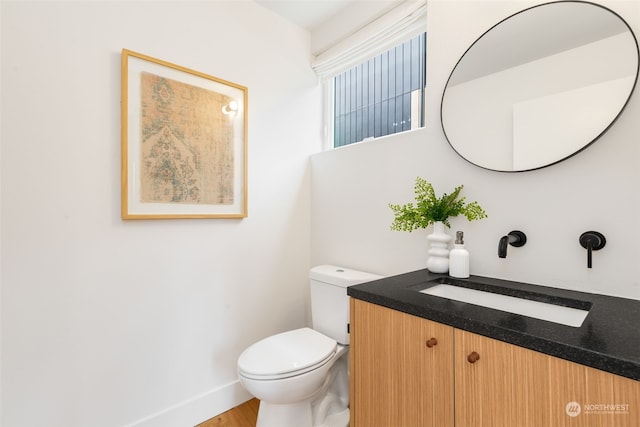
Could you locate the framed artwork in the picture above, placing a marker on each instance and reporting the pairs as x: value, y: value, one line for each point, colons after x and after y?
x: 184, y: 142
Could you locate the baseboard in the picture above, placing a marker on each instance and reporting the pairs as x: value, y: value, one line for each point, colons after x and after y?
x: 197, y: 409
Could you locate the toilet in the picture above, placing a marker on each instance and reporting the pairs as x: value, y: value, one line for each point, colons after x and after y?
x: 301, y: 377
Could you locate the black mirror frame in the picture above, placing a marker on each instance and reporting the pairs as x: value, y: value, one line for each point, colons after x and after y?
x: 587, y: 144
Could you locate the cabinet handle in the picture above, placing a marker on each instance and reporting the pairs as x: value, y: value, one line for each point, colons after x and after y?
x: 473, y: 357
x: 431, y: 342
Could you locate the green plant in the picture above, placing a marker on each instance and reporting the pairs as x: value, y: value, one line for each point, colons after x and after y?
x: 429, y: 209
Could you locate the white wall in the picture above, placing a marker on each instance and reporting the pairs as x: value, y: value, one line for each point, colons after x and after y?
x: 594, y: 190
x: 112, y: 323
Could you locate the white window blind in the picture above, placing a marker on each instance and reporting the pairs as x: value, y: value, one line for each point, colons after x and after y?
x: 400, y: 24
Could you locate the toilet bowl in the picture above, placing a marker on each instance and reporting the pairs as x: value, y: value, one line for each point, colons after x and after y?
x: 291, y: 384
x: 301, y: 376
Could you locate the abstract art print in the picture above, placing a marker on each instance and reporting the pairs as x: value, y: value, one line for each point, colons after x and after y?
x: 184, y: 142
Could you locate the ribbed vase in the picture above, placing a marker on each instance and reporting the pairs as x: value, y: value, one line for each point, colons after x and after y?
x: 438, y: 261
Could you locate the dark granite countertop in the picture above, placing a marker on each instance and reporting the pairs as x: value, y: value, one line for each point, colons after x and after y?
x: 609, y: 338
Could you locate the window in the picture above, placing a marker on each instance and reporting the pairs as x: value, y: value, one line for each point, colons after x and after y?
x: 381, y: 96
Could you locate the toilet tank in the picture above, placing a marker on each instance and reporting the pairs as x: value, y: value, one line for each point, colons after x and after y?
x: 329, y: 300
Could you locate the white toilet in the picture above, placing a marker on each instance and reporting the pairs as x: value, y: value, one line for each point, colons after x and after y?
x: 301, y: 377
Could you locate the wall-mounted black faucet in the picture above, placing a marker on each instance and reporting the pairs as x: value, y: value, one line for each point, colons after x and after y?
x: 592, y: 241
x: 514, y: 238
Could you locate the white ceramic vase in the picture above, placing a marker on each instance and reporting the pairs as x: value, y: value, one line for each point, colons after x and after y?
x: 438, y: 261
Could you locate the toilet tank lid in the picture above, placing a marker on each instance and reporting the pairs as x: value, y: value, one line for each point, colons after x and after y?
x: 341, y: 276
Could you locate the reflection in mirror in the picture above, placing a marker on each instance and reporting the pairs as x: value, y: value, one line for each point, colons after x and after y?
x: 540, y: 86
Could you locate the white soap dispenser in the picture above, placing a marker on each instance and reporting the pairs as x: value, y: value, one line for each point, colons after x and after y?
x: 459, y: 258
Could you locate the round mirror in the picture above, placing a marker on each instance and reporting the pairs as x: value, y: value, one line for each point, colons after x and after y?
x: 540, y: 86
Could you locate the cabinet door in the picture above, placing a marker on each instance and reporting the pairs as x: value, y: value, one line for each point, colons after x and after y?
x: 488, y: 392
x: 583, y: 396
x: 400, y: 376
x: 511, y: 386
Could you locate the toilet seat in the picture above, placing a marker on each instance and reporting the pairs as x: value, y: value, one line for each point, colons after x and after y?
x: 286, y: 354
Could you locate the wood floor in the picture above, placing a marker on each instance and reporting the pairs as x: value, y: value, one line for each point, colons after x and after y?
x: 244, y: 415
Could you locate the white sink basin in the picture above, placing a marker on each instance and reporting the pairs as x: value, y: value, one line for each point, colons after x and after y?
x: 540, y: 310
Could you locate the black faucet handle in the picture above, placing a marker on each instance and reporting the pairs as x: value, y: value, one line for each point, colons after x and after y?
x: 592, y: 241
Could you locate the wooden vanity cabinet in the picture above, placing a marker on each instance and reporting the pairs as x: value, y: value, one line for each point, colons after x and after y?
x: 397, y: 381
x: 401, y: 369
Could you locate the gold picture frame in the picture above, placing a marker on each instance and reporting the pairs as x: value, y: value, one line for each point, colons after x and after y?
x: 184, y: 142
